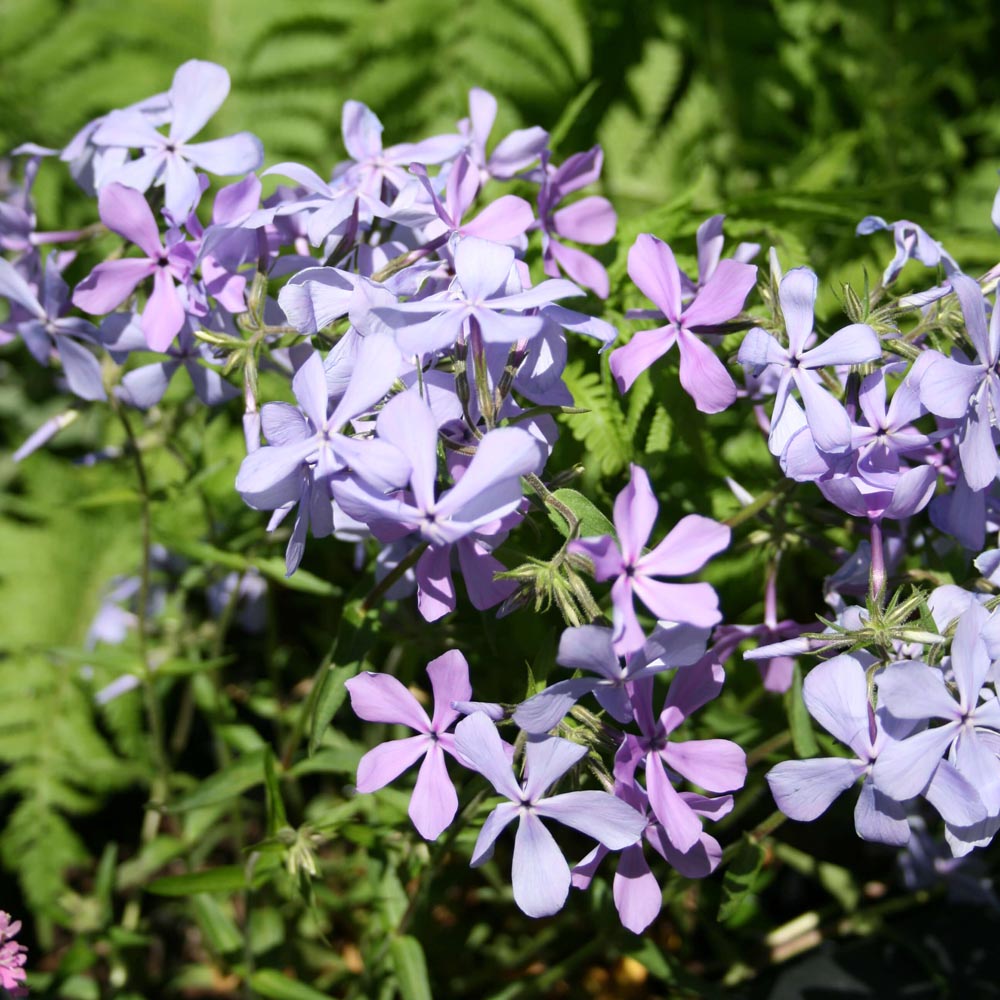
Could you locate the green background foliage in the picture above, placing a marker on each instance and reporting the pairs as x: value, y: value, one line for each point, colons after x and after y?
x: 794, y: 117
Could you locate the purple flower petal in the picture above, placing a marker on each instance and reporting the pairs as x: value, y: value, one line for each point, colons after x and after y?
x: 692, y: 603
x: 479, y: 747
x: 127, y: 213
x: 546, y: 761
x: 197, y: 92
x: 686, y: 548
x: 703, y: 376
x: 635, y: 513
x: 629, y: 362
x: 853, y: 345
x: 434, y: 801
x: 681, y: 825
x: 382, y: 698
x: 235, y: 154
x: 723, y: 295
x: 651, y: 265
x: 912, y: 690
x: 495, y: 824
x: 600, y: 815
x: 110, y: 284
x: 797, y: 295
x: 539, y: 872
x: 880, y: 819
x: 637, y: 894
x: 163, y: 316
x: 449, y: 674
x: 836, y: 695
x: 805, y: 789
x: 82, y: 369
x: 715, y: 765
x: 388, y: 761
x: 904, y: 769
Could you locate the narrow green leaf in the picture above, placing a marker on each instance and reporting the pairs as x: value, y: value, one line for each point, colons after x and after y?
x: 243, y: 773
x: 275, y: 804
x: 353, y: 640
x: 225, y: 878
x: 272, y: 567
x: 274, y: 985
x: 411, y: 968
x: 219, y: 928
x: 741, y: 877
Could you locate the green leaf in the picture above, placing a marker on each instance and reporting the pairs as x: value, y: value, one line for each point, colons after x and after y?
x: 275, y: 804
x: 592, y: 521
x: 411, y: 968
x: 225, y: 878
x: 272, y: 567
x: 243, y: 773
x: 276, y: 986
x: 353, y: 640
x: 799, y: 721
x: 741, y: 877
x: 217, y: 925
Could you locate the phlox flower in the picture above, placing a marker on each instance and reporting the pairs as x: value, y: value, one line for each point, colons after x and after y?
x: 382, y: 698
x: 197, y: 92
x: 12, y: 956
x: 125, y: 211
x: 686, y: 548
x: 827, y: 419
x: 716, y: 765
x: 515, y: 152
x: 540, y: 874
x: 651, y: 265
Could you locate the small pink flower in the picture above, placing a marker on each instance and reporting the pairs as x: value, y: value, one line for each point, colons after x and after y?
x: 12, y: 956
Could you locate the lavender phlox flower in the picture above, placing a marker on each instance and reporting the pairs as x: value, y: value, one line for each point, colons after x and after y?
x: 126, y: 212
x: 888, y: 432
x: 479, y: 293
x: 511, y: 154
x: 306, y: 446
x: 855, y: 344
x: 540, y: 874
x: 836, y: 695
x: 197, y: 92
x: 91, y: 164
x: 716, y: 765
x: 651, y: 265
x: 382, y: 698
x: 590, y: 648
x: 912, y: 242
x: 590, y: 220
x: 44, y: 327
x: 331, y: 208
x: 145, y: 385
x: 903, y: 494
x: 965, y: 392
x: 13, y: 955
x: 489, y: 490
x: 502, y: 220
x: 637, y: 895
x: 380, y: 172
x: 685, y: 549
x: 917, y: 692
